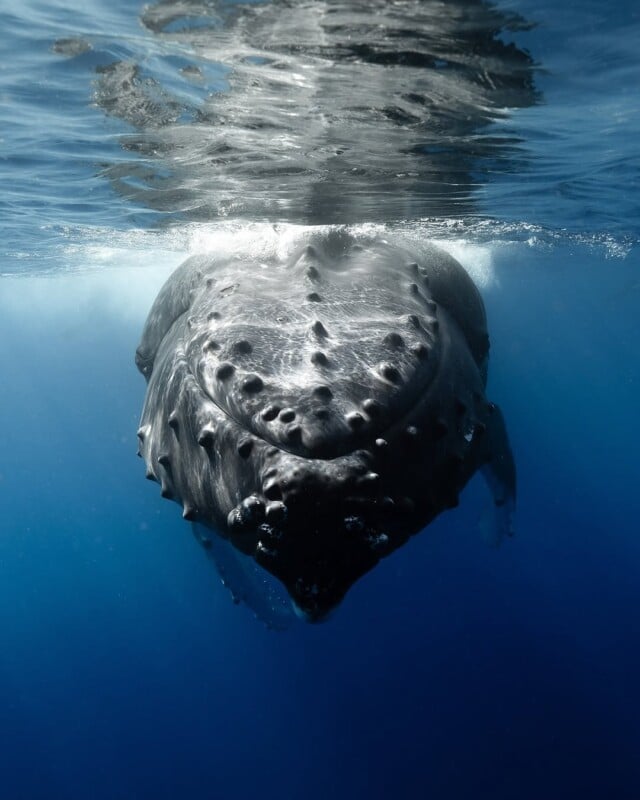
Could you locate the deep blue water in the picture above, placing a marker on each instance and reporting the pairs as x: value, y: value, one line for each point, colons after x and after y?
x: 453, y: 670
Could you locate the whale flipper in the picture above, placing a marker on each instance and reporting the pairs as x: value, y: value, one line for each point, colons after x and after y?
x: 247, y: 582
x: 500, y: 475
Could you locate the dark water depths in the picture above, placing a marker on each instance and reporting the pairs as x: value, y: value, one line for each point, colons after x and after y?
x: 508, y: 133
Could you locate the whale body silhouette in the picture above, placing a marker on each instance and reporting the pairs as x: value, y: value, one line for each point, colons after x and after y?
x: 317, y: 406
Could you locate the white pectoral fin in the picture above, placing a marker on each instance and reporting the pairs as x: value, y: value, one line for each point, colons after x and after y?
x: 498, y: 522
x: 247, y: 582
x: 500, y: 475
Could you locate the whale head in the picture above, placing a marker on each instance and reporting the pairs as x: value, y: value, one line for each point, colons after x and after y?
x: 317, y: 404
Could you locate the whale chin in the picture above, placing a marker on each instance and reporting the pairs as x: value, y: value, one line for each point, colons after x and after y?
x: 317, y: 561
x: 316, y: 413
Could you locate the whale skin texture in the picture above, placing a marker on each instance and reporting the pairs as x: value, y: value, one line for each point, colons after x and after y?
x: 317, y: 402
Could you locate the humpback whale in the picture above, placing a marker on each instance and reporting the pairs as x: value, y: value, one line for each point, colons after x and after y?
x: 319, y: 408
x: 315, y: 400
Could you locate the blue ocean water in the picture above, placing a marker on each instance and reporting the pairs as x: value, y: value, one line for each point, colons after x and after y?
x: 453, y: 670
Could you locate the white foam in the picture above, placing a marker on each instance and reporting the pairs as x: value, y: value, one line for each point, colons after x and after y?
x: 120, y: 273
x: 477, y: 259
x: 111, y: 272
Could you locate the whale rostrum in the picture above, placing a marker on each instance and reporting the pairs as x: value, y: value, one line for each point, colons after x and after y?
x: 317, y: 404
